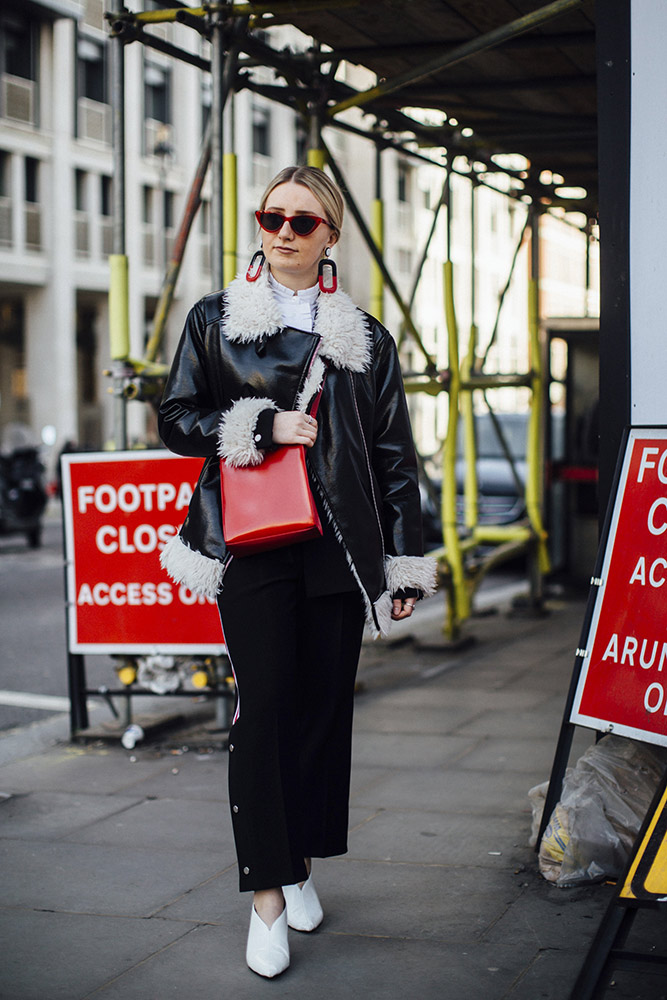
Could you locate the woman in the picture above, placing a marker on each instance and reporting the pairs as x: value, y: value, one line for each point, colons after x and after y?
x: 250, y: 363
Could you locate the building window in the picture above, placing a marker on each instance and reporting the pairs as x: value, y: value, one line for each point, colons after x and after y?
x: 18, y: 49
x: 6, y: 235
x: 86, y: 350
x: 92, y: 70
x: 403, y: 183
x: 168, y: 210
x: 157, y: 96
x: 106, y: 196
x: 5, y: 167
x: 261, y: 132
x: 148, y: 219
x: 33, y: 219
x: 18, y: 68
x: 81, y: 220
x: 147, y: 205
x: 15, y: 402
x: 106, y: 213
x: 31, y: 180
x: 80, y: 199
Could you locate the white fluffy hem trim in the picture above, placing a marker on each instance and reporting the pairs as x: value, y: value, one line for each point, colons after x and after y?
x: 382, y: 609
x: 419, y: 572
x: 237, y: 430
x: 186, y: 566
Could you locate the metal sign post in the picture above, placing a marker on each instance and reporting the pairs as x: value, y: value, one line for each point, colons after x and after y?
x: 643, y: 885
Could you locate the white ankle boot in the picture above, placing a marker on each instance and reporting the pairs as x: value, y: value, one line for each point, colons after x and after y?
x: 304, y: 912
x: 267, y: 952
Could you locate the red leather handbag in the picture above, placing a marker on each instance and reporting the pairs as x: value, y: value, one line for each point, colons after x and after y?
x: 269, y: 505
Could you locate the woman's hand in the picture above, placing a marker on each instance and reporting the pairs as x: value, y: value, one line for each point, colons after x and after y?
x: 294, y: 427
x: 402, y: 608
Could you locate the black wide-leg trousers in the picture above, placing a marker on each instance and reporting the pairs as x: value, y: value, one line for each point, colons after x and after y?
x: 294, y: 658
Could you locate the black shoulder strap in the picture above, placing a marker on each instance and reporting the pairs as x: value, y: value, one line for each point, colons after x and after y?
x: 213, y: 307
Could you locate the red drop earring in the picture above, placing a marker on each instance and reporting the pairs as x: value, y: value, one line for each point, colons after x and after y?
x: 327, y: 276
x: 255, y: 266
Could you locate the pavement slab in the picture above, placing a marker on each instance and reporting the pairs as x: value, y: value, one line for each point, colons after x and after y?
x: 409, y: 749
x: 188, y: 776
x: 121, y: 879
x: 71, y: 769
x: 447, y: 790
x: 435, y: 838
x: 66, y: 956
x: 158, y: 824
x: 54, y: 815
x: 437, y: 902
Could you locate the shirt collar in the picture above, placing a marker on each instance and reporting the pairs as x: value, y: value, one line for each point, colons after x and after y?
x: 281, y: 292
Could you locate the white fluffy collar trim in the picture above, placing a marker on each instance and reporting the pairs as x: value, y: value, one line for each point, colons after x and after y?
x: 252, y: 312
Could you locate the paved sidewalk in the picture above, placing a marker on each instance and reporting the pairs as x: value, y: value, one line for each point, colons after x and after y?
x: 119, y: 876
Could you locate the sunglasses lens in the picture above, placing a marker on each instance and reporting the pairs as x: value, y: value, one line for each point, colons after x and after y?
x: 304, y: 225
x: 271, y: 221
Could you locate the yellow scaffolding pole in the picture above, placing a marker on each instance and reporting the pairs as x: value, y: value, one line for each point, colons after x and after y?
x: 458, y: 605
x: 119, y: 307
x: 469, y: 443
x: 317, y: 158
x: 229, y: 217
x: 234, y: 10
x: 377, y: 279
x: 534, y: 443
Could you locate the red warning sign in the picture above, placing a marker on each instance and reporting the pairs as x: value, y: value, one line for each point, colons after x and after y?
x: 120, y: 509
x: 623, y: 681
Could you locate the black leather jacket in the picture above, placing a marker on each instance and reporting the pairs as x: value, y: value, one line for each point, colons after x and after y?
x: 234, y: 360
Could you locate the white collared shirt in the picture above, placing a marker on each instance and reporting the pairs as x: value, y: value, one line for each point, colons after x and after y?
x: 297, y: 308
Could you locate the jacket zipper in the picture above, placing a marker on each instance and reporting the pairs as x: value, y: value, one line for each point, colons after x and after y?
x: 368, y: 466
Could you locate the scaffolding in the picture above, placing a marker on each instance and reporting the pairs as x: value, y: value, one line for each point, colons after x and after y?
x: 310, y: 87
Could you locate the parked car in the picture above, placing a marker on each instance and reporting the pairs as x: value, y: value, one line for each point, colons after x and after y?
x: 500, y: 497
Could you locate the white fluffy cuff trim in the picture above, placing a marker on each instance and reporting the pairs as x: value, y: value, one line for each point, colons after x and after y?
x: 200, y: 574
x: 419, y: 572
x: 236, y: 432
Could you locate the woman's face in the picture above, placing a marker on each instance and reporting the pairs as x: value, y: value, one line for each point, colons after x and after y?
x: 294, y: 259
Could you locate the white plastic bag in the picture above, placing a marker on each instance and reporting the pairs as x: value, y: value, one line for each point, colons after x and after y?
x: 604, y: 800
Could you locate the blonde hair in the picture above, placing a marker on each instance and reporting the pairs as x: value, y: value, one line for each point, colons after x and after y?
x: 319, y: 184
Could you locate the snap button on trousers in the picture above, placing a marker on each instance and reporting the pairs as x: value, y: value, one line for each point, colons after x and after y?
x: 295, y: 660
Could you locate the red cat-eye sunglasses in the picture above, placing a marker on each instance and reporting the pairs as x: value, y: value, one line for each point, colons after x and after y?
x: 302, y: 225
